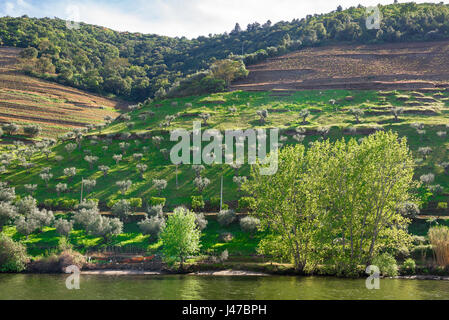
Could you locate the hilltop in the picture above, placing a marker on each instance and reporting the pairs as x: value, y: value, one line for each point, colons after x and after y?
x: 56, y: 108
x: 136, y: 66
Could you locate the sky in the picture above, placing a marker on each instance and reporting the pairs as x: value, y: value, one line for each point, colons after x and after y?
x: 189, y: 18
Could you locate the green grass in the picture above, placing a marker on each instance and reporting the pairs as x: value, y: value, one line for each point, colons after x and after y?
x: 323, y: 114
x: 283, y: 113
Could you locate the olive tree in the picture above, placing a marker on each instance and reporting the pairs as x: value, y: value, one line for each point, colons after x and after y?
x: 304, y: 114
x: 239, y: 181
x: 141, y: 168
x: 198, y: 168
x: 104, y: 169
x: 91, y: 160
x: 397, y: 111
x: 357, y: 113
x: 124, y: 185
x: 263, y: 114
x: 63, y: 227
x: 160, y: 184
x: 61, y: 188
x: 46, y: 177
x: 8, y: 213
x: 249, y: 224
x: 152, y: 226
x: 201, y: 183
x: 117, y: 158
x: 122, y: 210
x: 70, y: 173
x: 89, y: 184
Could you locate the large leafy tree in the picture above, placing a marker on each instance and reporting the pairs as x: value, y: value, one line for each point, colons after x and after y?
x: 338, y: 203
x: 181, y: 236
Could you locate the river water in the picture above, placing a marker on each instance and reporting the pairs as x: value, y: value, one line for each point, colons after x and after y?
x: 188, y: 287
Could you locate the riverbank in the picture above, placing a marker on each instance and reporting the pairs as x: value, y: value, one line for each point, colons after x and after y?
x: 201, y: 273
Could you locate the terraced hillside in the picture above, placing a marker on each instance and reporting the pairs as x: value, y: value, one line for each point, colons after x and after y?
x: 401, y: 66
x: 54, y: 107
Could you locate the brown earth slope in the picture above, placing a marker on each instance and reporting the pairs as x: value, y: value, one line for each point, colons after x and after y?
x: 405, y: 66
x: 56, y: 108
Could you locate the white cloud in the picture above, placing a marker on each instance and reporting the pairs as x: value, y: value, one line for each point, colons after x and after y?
x: 189, y: 18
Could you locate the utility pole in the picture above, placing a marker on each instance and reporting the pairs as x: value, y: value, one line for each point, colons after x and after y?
x: 82, y: 185
x: 177, y: 176
x: 221, y: 194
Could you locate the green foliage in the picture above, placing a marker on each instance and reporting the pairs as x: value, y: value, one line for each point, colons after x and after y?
x: 135, y: 203
x: 197, y: 203
x: 409, y: 266
x: 330, y: 186
x: 133, y: 65
x: 155, y: 201
x: 13, y: 255
x: 386, y: 264
x: 442, y: 206
x: 246, y: 204
x: 61, y: 204
x: 181, y: 237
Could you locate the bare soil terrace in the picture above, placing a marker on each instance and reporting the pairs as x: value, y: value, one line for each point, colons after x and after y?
x: 401, y: 66
x: 57, y: 108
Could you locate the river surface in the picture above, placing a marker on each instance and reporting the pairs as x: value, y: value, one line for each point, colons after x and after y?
x: 188, y: 287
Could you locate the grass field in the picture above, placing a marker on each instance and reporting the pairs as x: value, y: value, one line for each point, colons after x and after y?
x: 283, y: 114
x: 429, y: 107
x: 56, y: 108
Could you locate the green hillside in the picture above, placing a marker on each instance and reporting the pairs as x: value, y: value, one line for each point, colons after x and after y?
x: 327, y: 109
x: 135, y: 66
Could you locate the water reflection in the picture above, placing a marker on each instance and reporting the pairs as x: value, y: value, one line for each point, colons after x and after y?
x: 23, y: 286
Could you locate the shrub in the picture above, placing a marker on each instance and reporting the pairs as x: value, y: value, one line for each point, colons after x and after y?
x: 58, y: 263
x: 154, y: 201
x: 197, y: 203
x: 135, y: 203
x: 442, y: 206
x: 201, y: 221
x: 215, y: 203
x: 13, y: 255
x: 152, y: 226
x: 246, y: 204
x: 249, y: 224
x: 226, y: 217
x: 439, y: 238
x: 409, y: 266
x: 386, y: 264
